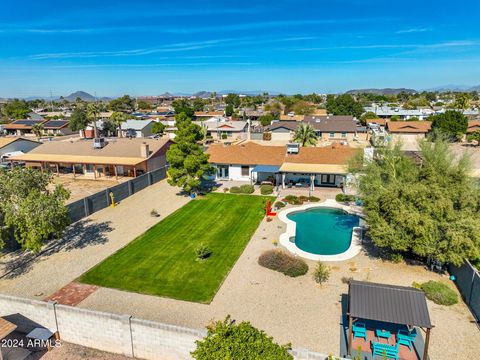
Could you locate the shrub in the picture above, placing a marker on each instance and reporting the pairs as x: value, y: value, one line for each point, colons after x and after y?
x: 321, y: 273
x: 344, y: 198
x: 266, y: 189
x: 279, y: 205
x: 202, y: 252
x: 439, y: 293
x: 313, y: 199
x: 303, y: 198
x: 235, y: 190
x: 247, y: 189
x: 154, y: 213
x: 397, y: 258
x: 290, y: 199
x: 224, y: 136
x: 346, y: 279
x: 282, y: 262
x: 229, y: 340
x: 225, y: 190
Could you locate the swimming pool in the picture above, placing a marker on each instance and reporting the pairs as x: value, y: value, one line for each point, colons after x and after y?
x: 322, y: 230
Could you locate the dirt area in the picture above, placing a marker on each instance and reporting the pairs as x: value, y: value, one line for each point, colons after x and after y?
x: 67, y: 351
x: 80, y: 188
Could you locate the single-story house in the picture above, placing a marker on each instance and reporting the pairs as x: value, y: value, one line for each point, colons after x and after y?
x: 10, y: 146
x: 99, y: 158
x: 408, y: 132
x: 137, y: 128
x: 57, y: 127
x: 284, y: 166
x: 473, y: 125
x: 50, y: 127
x: 335, y: 128
x: 219, y: 128
x: 282, y: 130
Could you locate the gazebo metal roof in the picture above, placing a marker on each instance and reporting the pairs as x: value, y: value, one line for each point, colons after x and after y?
x: 388, y: 303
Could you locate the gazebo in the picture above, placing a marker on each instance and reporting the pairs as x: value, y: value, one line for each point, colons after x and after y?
x: 397, y: 305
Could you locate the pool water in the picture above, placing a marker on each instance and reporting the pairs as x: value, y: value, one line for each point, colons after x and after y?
x: 323, y: 231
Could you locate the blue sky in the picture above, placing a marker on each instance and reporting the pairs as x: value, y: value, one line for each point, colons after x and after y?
x: 149, y: 47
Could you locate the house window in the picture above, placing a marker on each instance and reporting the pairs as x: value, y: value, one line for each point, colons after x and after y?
x: 332, y: 134
x: 245, y: 170
x: 344, y: 134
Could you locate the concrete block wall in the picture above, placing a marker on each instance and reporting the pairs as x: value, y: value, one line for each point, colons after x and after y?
x: 114, y: 333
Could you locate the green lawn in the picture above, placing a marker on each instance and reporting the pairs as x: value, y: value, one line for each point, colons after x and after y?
x: 162, y: 261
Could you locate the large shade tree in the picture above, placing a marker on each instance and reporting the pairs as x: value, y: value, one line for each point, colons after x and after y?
x: 430, y: 208
x: 29, y: 209
x: 188, y: 163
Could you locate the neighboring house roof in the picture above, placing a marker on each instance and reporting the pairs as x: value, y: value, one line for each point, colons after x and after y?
x: 388, y: 303
x: 409, y: 126
x: 117, y: 151
x: 250, y: 153
x: 292, y: 117
x: 473, y: 125
x: 4, y: 141
x: 314, y: 118
x: 24, y: 124
x: 208, y: 113
x: 334, y: 124
x: 378, y: 121
x: 289, y: 125
x: 135, y: 124
x: 232, y: 126
x: 55, y: 124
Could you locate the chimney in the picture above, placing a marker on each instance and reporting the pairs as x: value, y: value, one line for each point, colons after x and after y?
x: 144, y: 150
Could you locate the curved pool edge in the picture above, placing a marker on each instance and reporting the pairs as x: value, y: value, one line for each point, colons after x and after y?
x: 355, y: 243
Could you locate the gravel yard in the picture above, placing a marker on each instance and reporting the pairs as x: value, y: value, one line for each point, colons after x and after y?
x: 297, y: 310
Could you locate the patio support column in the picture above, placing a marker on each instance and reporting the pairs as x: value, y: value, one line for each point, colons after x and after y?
x: 58, y: 170
x: 312, y: 182
x: 349, y: 347
x: 134, y: 171
x: 73, y: 170
x: 283, y: 180
x: 94, y: 172
x: 425, y: 349
x: 116, y: 172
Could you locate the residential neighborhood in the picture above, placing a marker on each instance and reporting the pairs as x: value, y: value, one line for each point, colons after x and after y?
x: 216, y: 180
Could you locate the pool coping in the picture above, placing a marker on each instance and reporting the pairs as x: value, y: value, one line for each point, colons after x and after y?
x: 355, y: 243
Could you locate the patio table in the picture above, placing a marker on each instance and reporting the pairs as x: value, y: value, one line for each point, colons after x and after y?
x: 383, y: 334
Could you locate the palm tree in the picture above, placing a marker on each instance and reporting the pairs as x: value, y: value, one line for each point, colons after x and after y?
x: 92, y: 113
x: 118, y: 118
x: 37, y: 129
x: 305, y: 135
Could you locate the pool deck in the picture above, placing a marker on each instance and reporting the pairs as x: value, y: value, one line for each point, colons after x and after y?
x: 355, y: 244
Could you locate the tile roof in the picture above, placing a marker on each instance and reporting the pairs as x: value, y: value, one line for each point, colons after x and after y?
x: 254, y: 154
x: 209, y: 113
x: 292, y: 117
x: 409, y: 126
x: 333, y: 124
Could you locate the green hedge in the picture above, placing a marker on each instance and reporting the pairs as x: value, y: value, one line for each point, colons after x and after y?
x: 266, y: 189
x: 235, y: 190
x: 247, y: 189
x: 282, y: 262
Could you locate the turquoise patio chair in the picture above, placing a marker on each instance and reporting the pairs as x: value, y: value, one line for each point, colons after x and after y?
x: 359, y: 330
x: 406, y: 338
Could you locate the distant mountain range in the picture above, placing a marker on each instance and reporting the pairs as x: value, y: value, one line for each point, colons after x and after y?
x: 384, y: 91
x: 453, y: 87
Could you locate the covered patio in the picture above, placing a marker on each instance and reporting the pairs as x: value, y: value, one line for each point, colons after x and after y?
x: 385, y: 320
x: 312, y: 175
